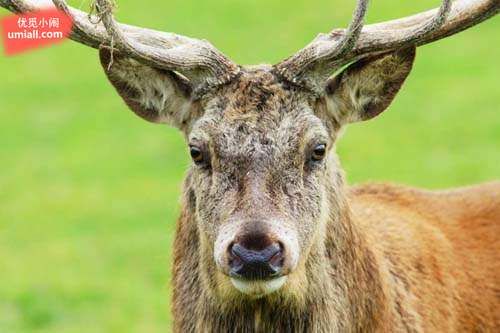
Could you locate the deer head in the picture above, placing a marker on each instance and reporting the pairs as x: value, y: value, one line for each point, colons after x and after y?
x: 265, y: 178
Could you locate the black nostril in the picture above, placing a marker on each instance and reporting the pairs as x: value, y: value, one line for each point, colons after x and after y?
x: 277, y: 259
x: 252, y: 255
x: 256, y: 264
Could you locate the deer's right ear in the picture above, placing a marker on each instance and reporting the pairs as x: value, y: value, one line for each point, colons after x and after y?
x: 155, y: 95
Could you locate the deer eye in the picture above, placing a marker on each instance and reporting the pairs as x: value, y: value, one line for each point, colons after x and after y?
x: 318, y: 152
x: 196, y: 154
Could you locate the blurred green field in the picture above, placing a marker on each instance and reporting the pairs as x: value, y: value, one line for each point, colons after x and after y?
x: 89, y: 192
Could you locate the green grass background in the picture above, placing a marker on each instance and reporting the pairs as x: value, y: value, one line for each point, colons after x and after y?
x: 89, y: 192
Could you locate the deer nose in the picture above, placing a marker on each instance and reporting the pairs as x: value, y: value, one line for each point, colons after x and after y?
x: 255, y: 262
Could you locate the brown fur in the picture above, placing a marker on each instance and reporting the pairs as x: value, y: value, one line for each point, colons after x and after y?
x: 373, y: 258
x: 442, y: 247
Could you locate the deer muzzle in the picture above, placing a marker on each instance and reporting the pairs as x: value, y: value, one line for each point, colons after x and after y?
x: 256, y: 256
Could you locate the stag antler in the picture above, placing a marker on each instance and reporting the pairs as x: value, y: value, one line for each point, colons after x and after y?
x: 314, y: 64
x: 310, y: 67
x: 197, y: 60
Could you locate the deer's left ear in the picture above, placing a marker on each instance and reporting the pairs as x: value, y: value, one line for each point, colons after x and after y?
x: 367, y: 87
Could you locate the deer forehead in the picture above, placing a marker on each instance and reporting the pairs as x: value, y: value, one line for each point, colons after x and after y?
x: 257, y: 111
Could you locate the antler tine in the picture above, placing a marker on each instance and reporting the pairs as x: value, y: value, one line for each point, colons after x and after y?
x: 312, y: 66
x: 197, y: 60
x: 293, y: 67
x: 432, y: 25
x: 353, y: 31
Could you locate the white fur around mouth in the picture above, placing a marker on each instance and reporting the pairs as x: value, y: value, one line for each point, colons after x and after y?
x: 258, y: 288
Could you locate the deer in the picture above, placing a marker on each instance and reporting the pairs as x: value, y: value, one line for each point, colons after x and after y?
x: 270, y: 237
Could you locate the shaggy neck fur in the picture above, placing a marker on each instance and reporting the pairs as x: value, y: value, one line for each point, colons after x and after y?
x: 343, y: 290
